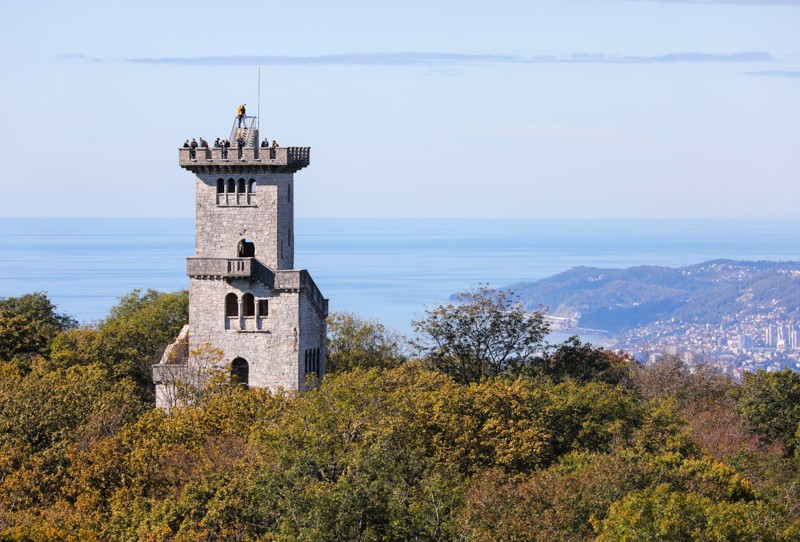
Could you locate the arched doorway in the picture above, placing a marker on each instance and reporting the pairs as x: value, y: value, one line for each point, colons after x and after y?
x: 246, y: 249
x: 240, y: 371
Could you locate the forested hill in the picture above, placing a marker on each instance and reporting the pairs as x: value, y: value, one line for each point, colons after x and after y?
x: 620, y: 299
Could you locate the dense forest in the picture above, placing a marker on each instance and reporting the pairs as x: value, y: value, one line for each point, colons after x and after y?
x: 475, y: 429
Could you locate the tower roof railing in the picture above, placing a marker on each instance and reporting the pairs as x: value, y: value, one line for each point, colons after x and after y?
x: 253, y: 158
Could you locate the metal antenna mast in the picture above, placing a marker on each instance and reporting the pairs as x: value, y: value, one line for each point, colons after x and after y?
x: 259, y: 97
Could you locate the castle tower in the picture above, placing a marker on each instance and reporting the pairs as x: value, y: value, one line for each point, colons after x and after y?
x: 245, y: 298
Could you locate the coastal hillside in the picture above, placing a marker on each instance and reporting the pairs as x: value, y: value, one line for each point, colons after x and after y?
x: 713, y: 292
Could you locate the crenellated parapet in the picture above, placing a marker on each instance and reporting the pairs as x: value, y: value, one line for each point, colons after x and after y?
x: 251, y: 160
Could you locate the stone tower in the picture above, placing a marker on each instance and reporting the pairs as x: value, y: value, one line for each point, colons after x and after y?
x: 245, y: 297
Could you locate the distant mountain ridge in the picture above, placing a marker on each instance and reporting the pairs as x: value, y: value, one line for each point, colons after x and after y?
x: 711, y: 292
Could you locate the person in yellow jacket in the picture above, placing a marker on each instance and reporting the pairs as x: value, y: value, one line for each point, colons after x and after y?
x: 241, y: 115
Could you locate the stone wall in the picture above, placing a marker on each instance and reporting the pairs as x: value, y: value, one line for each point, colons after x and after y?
x: 313, y: 331
x: 269, y: 344
x: 267, y: 219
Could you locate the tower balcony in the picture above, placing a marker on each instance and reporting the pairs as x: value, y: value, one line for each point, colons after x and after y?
x: 251, y: 159
x: 230, y: 268
x: 250, y: 268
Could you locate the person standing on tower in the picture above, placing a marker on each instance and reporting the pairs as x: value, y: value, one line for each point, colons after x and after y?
x: 241, y: 115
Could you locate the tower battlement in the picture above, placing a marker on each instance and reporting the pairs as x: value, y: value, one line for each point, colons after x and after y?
x: 252, y: 160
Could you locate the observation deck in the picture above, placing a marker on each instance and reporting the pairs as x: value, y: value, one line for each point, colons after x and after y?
x: 251, y: 159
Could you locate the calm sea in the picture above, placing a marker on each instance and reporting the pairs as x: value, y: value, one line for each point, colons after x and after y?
x: 387, y: 269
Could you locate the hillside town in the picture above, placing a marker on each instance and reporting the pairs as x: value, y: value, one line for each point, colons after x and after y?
x: 742, y: 343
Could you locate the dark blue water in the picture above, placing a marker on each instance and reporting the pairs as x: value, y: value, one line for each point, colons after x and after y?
x: 388, y: 269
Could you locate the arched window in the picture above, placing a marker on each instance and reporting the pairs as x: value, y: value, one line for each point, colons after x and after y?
x: 240, y: 371
x: 252, y: 186
x: 231, y: 305
x: 240, y: 186
x: 246, y: 249
x: 220, y: 186
x: 248, y: 305
x: 231, y: 186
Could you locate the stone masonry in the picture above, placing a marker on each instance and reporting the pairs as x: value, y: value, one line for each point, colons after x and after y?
x: 245, y: 299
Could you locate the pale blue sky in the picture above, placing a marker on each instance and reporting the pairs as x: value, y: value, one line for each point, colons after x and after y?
x: 523, y: 109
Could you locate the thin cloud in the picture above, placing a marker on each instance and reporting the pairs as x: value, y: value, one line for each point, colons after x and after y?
x: 452, y: 59
x: 78, y: 57
x: 793, y: 74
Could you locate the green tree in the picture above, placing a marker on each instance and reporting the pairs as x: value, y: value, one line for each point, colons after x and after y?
x: 28, y: 325
x: 37, y: 307
x: 770, y: 404
x: 20, y: 338
x: 486, y: 333
x: 660, y: 513
x: 585, y: 363
x: 359, y: 342
x: 131, y: 339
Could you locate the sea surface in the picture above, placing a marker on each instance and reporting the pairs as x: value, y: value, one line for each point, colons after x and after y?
x: 389, y: 269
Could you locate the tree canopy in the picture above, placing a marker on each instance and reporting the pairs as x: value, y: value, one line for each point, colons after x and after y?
x: 355, y: 342
x: 581, y: 445
x: 486, y: 333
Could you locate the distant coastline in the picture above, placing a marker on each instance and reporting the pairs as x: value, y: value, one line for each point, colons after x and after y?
x: 389, y: 269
